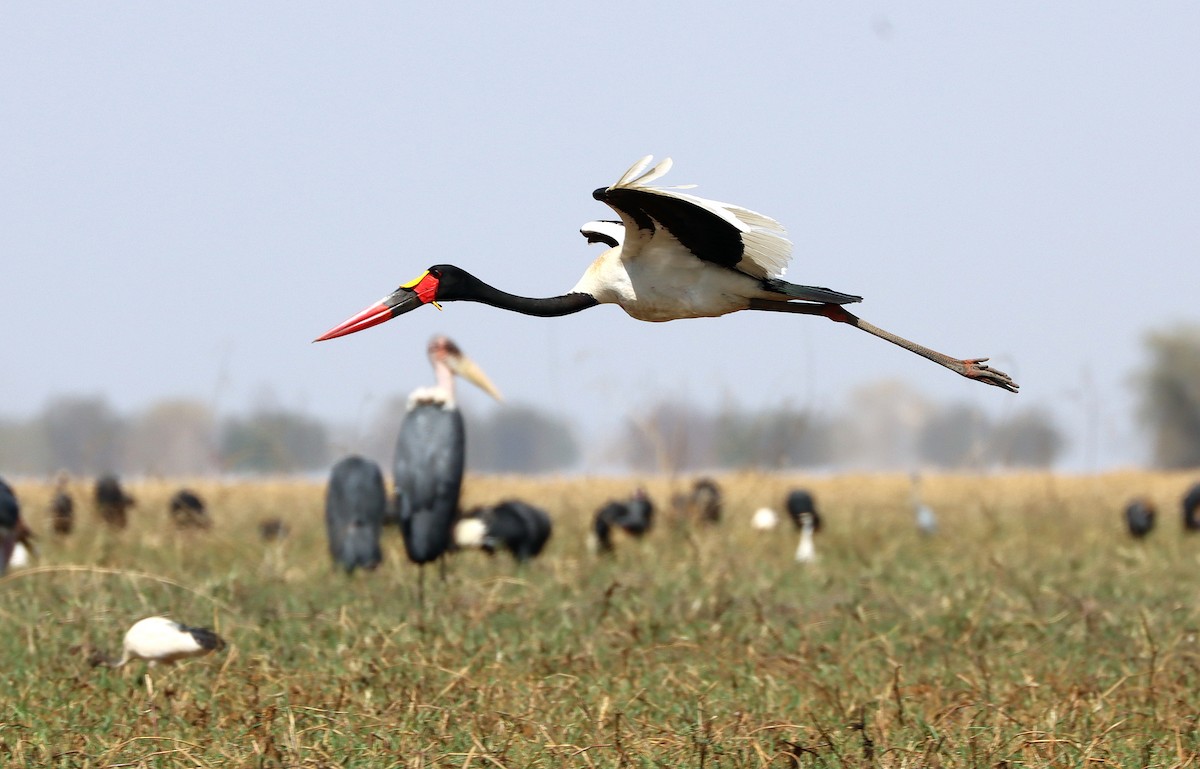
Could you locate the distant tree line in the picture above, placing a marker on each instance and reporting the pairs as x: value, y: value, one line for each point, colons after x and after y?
x: 883, y: 426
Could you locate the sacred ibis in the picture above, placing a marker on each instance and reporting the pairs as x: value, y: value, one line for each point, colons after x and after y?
x: 802, y: 509
x: 354, y: 503
x: 430, y: 456
x: 14, y: 535
x: 161, y: 640
x: 518, y: 527
x: 674, y: 255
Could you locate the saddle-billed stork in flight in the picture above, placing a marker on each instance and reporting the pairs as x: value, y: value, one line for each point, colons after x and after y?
x: 674, y: 256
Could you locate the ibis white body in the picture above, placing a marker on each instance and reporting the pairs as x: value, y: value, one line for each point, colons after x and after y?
x: 764, y: 519
x: 21, y: 558
x: 162, y: 640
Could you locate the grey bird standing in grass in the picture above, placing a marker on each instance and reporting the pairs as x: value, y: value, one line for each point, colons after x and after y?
x: 354, y: 504
x: 431, y: 455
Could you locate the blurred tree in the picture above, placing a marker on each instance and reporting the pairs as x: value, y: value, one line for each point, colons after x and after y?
x: 772, y: 438
x: 23, y: 448
x: 1169, y: 389
x: 954, y: 437
x: 177, y: 437
x: 82, y: 435
x: 1029, y: 439
x: 880, y: 426
x: 520, y: 439
x: 669, y: 438
x: 274, y: 440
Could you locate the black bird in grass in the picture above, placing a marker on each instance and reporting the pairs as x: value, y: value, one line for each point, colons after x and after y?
x: 634, y: 516
x: 702, y: 504
x: 515, y: 526
x: 1191, y: 509
x: 430, y: 456
x: 188, y: 511
x: 12, y: 528
x: 1139, y: 517
x: 677, y: 256
x: 62, y: 506
x: 112, y: 503
x: 354, y: 503
x: 802, y: 509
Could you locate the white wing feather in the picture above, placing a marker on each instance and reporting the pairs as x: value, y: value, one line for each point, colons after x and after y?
x: 767, y: 250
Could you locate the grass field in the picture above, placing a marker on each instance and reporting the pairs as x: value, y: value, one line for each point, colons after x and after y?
x: 1030, y: 632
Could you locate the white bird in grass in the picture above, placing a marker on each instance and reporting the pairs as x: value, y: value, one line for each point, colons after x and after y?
x: 764, y: 519
x: 672, y: 256
x: 162, y: 640
x: 806, y: 551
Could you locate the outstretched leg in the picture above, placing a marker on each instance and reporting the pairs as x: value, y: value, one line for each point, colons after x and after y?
x: 971, y: 368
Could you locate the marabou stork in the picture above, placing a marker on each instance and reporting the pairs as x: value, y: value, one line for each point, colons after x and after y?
x: 354, y: 503
x: 802, y: 509
x: 1191, y: 506
x: 112, y: 503
x: 162, y: 640
x: 635, y: 517
x: 1139, y: 517
x: 430, y: 454
x: 187, y: 510
x: 62, y: 506
x: 673, y: 255
x: 518, y: 527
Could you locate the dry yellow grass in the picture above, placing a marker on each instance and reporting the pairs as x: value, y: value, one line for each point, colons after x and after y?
x: 1031, y: 632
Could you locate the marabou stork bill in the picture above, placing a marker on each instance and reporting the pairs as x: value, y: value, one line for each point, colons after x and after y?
x: 672, y: 255
x: 430, y: 455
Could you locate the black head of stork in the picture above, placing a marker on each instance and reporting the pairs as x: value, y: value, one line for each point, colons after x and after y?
x: 672, y: 255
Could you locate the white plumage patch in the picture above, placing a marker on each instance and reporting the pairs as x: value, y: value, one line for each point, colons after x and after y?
x: 430, y: 395
x: 767, y: 249
x: 470, y: 532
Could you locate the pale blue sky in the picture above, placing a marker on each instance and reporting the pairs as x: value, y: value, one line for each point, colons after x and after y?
x: 189, y: 193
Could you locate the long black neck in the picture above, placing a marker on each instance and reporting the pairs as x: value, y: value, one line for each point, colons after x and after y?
x: 465, y: 287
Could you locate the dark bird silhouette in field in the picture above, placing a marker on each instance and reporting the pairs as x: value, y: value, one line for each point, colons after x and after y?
x: 112, y: 503
x: 354, y: 503
x: 634, y: 516
x: 1139, y: 517
x: 188, y: 511
x: 430, y: 457
x: 1191, y: 509
x: 159, y: 640
x: 802, y: 509
x: 62, y: 506
x: 672, y: 255
x: 14, y: 534
x: 512, y: 525
x: 702, y: 504
x: 273, y: 530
